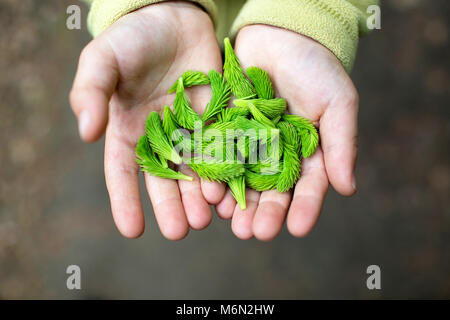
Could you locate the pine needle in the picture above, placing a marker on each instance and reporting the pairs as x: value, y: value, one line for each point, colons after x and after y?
x: 220, y: 95
x: 185, y: 115
x: 261, y: 81
x: 240, y: 85
x: 158, y: 139
x: 307, y: 132
x: 191, y: 78
x: 149, y: 163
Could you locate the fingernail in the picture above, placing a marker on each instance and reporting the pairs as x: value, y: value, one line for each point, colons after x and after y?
x: 83, y: 123
x: 354, y: 182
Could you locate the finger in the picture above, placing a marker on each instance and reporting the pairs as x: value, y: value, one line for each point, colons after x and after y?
x: 213, y: 191
x: 94, y: 84
x: 197, y: 210
x: 226, y: 207
x: 121, y: 173
x: 167, y: 206
x: 241, y: 224
x: 338, y: 132
x: 308, y: 196
x: 270, y: 215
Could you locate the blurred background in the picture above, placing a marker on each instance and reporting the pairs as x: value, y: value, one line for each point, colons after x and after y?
x: 54, y: 208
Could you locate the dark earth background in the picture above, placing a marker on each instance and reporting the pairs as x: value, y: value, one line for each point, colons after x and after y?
x: 54, y: 208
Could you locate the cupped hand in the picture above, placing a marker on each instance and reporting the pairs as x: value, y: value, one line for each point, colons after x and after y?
x: 124, y: 74
x: 316, y: 87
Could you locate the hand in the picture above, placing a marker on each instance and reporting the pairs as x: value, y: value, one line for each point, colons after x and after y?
x: 123, y: 75
x: 316, y: 87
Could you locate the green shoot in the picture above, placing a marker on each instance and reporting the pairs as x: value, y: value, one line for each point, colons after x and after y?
x: 270, y: 108
x: 240, y: 85
x: 307, y: 132
x: 149, y: 163
x: 261, y: 81
x: 259, y: 116
x: 261, y: 182
x: 185, y: 115
x: 220, y: 95
x: 216, y: 170
x: 291, y: 161
x: 237, y: 188
x: 190, y: 79
x: 230, y: 114
x: 158, y: 139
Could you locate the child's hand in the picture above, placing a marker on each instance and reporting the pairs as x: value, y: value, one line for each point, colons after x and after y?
x: 316, y: 86
x: 123, y: 75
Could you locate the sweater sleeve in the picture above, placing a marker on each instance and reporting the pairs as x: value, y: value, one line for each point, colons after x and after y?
x: 337, y: 24
x: 103, y: 13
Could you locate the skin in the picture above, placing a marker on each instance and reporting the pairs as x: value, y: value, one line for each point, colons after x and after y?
x: 316, y: 87
x: 124, y: 74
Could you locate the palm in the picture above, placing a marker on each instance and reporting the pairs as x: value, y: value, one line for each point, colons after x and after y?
x: 315, y: 86
x: 146, y: 52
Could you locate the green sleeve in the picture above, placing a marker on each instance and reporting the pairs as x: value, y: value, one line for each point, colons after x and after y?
x: 337, y: 24
x: 103, y: 13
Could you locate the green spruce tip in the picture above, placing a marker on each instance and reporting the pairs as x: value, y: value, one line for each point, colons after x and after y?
x: 259, y: 116
x: 169, y: 123
x: 271, y: 108
x: 291, y: 160
x: 307, y: 132
x: 185, y: 115
x: 265, y: 169
x: 251, y: 124
x: 241, y: 87
x: 276, y: 120
x: 265, y: 123
x: 216, y: 170
x: 191, y: 78
x: 172, y: 130
x: 261, y: 82
x: 149, y: 163
x: 210, y: 131
x: 220, y: 95
x: 261, y: 182
x: 158, y: 139
x: 237, y: 188
x: 230, y: 114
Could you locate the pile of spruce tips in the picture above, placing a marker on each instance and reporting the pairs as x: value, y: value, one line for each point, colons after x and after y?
x: 281, y: 138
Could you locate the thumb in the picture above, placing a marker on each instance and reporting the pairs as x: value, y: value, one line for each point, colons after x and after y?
x: 338, y: 131
x: 94, y: 84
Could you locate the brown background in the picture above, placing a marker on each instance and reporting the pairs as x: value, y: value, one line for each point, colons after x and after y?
x: 54, y: 209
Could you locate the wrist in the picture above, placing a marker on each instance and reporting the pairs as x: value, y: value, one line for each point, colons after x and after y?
x: 275, y: 39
